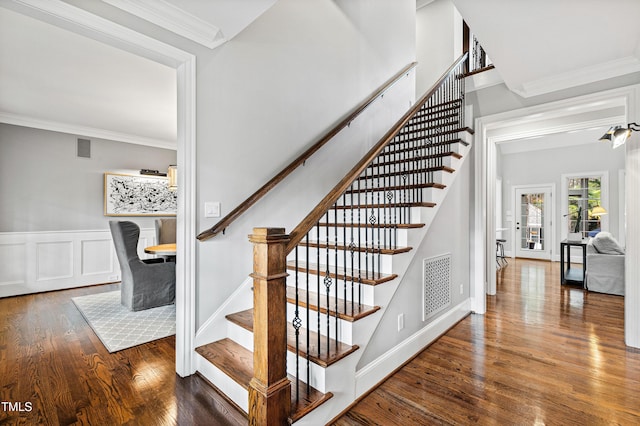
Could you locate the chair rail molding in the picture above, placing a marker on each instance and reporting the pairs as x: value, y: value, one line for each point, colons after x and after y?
x: 75, y: 19
x: 56, y: 260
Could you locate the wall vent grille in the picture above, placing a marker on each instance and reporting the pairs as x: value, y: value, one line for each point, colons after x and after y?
x: 84, y: 148
x: 436, y: 293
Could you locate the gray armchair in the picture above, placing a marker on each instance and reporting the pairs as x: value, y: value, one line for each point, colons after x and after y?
x: 605, y: 265
x: 145, y: 283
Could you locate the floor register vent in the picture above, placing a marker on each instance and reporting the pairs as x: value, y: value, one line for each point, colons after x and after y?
x: 436, y: 293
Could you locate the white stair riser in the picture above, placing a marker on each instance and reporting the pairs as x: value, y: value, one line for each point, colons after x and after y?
x: 316, y: 373
x: 240, y: 335
x: 412, y: 161
x: 374, y: 183
x: 365, y: 296
x: 345, y: 334
x: 383, y: 214
x: 453, y: 147
x: 398, y: 196
x: 361, y: 261
x: 224, y: 383
x: 395, y: 237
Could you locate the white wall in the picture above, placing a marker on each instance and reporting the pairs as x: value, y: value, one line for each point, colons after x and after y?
x: 268, y: 94
x: 438, y: 41
x: 547, y: 166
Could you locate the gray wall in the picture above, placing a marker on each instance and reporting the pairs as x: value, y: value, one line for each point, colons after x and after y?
x: 438, y: 41
x: 448, y: 233
x: 547, y: 166
x: 44, y: 186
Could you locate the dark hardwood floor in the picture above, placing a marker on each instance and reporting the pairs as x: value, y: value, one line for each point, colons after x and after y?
x: 544, y: 354
x: 55, y: 369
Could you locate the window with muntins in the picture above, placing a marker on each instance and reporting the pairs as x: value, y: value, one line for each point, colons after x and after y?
x: 584, y: 193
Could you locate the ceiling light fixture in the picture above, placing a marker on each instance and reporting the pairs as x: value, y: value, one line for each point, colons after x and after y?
x: 618, y: 135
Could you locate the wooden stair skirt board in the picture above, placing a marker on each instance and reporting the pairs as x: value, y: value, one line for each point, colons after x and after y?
x: 237, y: 362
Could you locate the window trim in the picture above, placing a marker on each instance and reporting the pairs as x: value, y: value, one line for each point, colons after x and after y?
x: 564, y: 205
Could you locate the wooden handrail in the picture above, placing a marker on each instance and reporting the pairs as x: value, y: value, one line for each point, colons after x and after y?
x: 312, y: 218
x: 246, y: 204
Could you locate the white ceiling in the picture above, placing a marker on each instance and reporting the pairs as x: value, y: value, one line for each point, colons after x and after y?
x: 547, y: 45
x: 55, y: 79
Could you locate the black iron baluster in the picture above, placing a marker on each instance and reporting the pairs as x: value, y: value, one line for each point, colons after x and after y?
x: 296, y: 325
x: 327, y: 279
x: 308, y: 320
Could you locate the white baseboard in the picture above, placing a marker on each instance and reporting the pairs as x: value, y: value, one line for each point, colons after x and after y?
x: 34, y: 262
x: 385, y: 364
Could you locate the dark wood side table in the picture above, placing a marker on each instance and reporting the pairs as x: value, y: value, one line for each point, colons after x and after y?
x: 573, y: 275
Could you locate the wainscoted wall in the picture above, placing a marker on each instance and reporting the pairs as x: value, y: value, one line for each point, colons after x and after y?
x: 44, y: 261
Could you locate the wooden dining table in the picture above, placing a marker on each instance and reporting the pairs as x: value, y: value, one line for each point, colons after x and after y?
x: 162, y: 249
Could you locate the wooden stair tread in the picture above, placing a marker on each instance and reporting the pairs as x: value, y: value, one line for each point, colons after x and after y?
x: 477, y: 71
x: 385, y: 205
x: 365, y: 249
x: 442, y: 121
x: 398, y: 187
x: 365, y: 277
x: 375, y: 225
x: 237, y: 362
x: 408, y: 172
x: 416, y: 158
x: 396, y: 146
x: 324, y: 357
x: 453, y: 103
x: 442, y: 114
x: 346, y: 311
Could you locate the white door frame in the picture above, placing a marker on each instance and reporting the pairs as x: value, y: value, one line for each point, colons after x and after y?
x: 533, y: 121
x: 80, y: 21
x: 549, y: 205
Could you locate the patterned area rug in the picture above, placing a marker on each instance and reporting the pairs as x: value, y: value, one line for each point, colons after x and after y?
x: 119, y: 328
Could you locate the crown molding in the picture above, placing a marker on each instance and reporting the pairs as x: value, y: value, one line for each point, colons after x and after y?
x: 92, y: 132
x: 174, y: 19
x: 585, y: 75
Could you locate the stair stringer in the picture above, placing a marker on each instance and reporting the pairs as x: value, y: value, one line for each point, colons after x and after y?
x: 343, y: 379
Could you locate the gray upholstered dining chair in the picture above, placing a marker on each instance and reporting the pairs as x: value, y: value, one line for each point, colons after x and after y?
x: 145, y: 283
x: 165, y: 231
x: 166, y: 234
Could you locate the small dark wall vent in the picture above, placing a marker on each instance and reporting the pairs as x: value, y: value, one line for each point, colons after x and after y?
x: 84, y: 148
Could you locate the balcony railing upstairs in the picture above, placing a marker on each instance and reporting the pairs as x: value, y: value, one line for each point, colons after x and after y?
x: 478, y: 60
x: 335, y: 254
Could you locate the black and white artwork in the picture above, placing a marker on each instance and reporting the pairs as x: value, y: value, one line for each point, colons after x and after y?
x: 135, y: 195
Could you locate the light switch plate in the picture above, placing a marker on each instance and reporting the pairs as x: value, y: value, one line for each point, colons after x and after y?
x: 212, y: 209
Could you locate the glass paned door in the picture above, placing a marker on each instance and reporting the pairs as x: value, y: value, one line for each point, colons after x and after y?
x: 533, y: 223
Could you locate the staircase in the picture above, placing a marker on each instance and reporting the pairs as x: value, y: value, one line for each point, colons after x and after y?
x: 344, y: 263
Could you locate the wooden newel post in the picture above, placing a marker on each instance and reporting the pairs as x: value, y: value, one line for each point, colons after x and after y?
x: 269, y: 389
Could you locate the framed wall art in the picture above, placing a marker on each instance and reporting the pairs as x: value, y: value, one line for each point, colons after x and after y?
x: 137, y: 195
